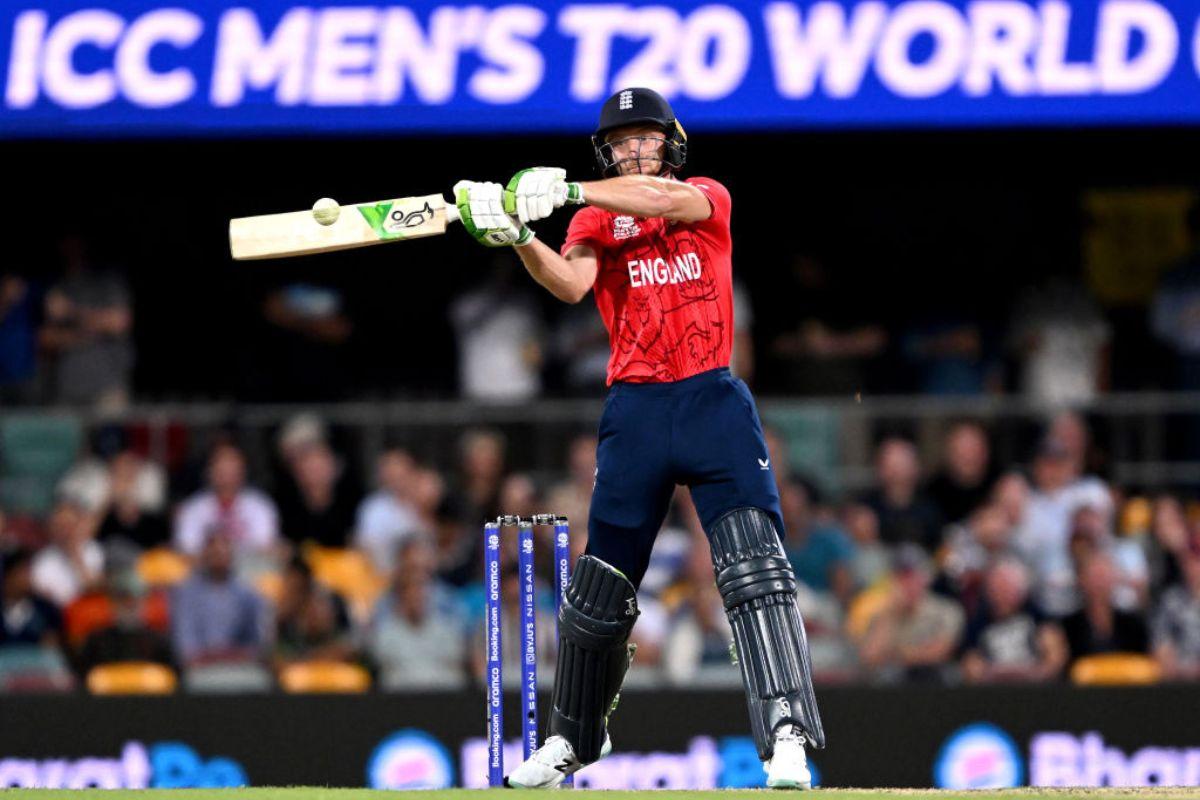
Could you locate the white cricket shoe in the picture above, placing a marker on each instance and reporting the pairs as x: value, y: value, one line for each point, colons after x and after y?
x: 550, y: 765
x: 788, y: 768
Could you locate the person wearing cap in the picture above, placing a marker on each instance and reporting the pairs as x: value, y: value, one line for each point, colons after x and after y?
x: 915, y: 634
x: 1059, y: 491
x: 655, y: 250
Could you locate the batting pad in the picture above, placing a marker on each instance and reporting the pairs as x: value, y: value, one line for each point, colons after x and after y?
x: 759, y: 588
x: 595, y: 620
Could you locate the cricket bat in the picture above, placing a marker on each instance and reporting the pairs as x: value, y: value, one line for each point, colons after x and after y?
x: 328, y: 226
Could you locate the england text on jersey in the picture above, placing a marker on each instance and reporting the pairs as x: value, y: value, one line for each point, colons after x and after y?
x: 683, y: 267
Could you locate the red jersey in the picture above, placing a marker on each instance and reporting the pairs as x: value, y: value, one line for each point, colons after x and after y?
x: 664, y: 290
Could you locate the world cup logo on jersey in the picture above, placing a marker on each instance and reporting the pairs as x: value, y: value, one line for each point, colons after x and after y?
x: 625, y: 228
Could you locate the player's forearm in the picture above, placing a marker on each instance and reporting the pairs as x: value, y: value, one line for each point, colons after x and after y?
x: 648, y: 196
x: 554, y: 272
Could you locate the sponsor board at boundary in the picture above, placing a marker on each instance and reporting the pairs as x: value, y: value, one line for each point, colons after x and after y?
x: 983, y: 756
x: 164, y: 765
x: 687, y: 738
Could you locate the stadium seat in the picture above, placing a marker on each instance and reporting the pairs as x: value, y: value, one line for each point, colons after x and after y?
x: 309, y: 677
x: 35, y: 451
x: 863, y: 608
x: 350, y: 574
x: 813, y: 436
x: 229, y: 677
x: 131, y: 677
x: 162, y: 567
x: 1115, y: 669
x: 26, y: 531
x: 269, y: 586
x: 1137, y: 516
x: 29, y: 668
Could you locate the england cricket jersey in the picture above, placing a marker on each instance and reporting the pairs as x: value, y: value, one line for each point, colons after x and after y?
x: 664, y: 289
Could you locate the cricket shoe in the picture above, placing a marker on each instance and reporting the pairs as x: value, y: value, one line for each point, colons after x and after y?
x: 788, y: 767
x: 550, y: 765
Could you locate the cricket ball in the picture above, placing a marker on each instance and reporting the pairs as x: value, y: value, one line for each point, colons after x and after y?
x: 326, y: 211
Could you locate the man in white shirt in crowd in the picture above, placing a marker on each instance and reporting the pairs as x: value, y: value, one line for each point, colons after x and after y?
x: 1059, y: 490
x: 246, y: 515
x: 73, y: 562
x: 499, y: 331
x: 388, y: 516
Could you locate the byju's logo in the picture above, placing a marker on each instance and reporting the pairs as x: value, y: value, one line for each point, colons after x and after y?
x: 410, y: 759
x: 979, y: 756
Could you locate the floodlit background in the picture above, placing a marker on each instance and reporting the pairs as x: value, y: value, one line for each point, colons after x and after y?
x: 968, y: 301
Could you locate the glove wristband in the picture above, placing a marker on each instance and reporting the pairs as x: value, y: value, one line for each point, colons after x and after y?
x: 527, y: 236
x: 575, y: 194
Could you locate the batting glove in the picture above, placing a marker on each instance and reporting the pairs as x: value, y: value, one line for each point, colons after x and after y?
x: 481, y: 209
x: 534, y: 193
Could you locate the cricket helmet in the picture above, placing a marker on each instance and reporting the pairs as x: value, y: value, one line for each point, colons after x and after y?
x: 633, y: 107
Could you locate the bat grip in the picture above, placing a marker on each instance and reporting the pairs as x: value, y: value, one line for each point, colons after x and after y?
x: 451, y: 213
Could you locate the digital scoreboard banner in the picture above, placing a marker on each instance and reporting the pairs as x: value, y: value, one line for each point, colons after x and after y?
x: 131, y: 67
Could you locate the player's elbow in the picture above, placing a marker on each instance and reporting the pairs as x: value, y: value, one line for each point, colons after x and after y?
x: 688, y: 205
x: 574, y: 294
x: 569, y: 292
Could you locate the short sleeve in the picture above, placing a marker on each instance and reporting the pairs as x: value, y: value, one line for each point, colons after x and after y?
x: 718, y: 197
x: 586, y: 228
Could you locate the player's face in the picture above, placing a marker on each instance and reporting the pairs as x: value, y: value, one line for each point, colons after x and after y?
x: 637, y: 149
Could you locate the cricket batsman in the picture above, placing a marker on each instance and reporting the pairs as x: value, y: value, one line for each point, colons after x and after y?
x: 655, y: 249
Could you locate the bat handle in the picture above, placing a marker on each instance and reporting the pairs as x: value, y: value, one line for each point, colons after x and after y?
x: 451, y: 212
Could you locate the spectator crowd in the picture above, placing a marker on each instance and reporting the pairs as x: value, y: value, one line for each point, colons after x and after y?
x: 964, y: 570
x: 69, y: 337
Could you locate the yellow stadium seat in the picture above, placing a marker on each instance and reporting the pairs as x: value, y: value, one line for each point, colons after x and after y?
x: 335, y: 677
x: 162, y: 567
x: 865, y: 605
x: 1137, y: 515
x: 350, y: 574
x: 1115, y: 669
x: 131, y: 677
x: 269, y: 586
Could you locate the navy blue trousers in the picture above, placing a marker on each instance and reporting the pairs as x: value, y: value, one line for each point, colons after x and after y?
x: 702, y: 432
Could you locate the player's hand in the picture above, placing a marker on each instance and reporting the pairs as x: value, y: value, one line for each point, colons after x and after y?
x: 481, y: 209
x: 534, y: 193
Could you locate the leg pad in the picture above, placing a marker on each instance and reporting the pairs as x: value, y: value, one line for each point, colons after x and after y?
x: 759, y: 588
x: 596, y: 617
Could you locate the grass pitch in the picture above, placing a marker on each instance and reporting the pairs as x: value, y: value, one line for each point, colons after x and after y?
x: 316, y: 793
